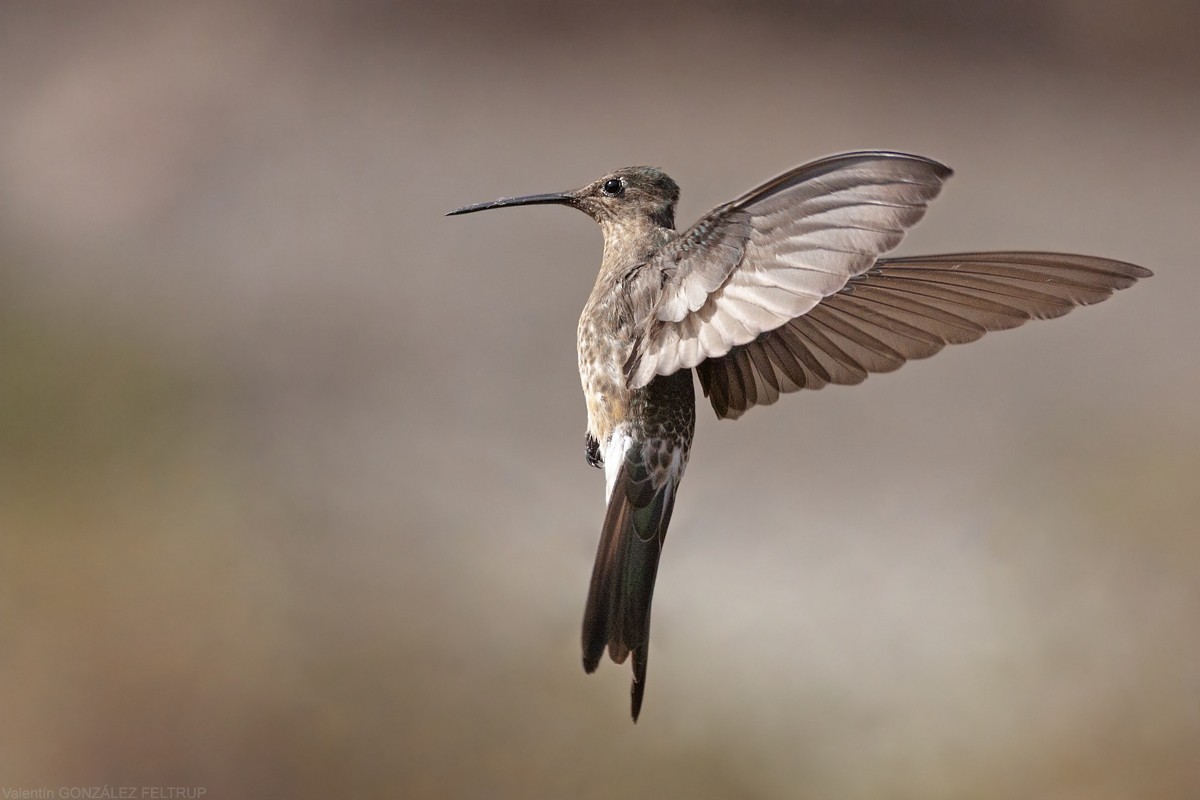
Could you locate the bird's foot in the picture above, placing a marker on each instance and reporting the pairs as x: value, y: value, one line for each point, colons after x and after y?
x: 592, y: 451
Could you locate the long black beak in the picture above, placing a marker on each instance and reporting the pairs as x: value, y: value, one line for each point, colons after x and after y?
x: 557, y: 198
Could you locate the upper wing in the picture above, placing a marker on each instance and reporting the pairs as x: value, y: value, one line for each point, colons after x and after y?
x: 906, y: 308
x: 750, y: 266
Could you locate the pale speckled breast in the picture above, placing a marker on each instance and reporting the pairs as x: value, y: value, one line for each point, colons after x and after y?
x: 624, y: 292
x: 603, y: 349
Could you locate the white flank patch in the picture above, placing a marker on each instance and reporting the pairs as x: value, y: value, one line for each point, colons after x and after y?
x: 615, y: 448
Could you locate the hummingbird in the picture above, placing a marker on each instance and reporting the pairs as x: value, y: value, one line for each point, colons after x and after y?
x: 784, y: 288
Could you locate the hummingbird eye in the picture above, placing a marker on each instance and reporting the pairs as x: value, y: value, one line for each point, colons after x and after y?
x: 613, y: 187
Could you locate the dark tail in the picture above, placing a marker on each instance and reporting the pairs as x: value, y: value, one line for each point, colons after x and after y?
x: 618, y: 606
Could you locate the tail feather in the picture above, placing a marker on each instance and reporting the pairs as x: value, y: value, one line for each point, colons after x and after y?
x: 631, y: 540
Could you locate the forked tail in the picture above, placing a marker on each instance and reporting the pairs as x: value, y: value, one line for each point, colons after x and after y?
x: 635, y: 525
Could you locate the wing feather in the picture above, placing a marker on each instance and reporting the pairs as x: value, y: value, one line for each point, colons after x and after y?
x: 909, y: 308
x: 749, y: 266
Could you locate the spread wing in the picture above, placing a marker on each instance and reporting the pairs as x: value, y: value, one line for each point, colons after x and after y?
x: 905, y: 308
x: 752, y: 265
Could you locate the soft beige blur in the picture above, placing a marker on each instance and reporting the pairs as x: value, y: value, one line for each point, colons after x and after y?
x: 292, y: 492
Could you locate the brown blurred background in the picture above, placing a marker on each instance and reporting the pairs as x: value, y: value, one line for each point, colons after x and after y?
x: 292, y: 492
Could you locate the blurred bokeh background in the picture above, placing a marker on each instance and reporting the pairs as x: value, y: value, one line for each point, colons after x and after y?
x: 292, y: 492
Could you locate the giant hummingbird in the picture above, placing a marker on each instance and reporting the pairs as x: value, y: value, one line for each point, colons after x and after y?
x: 784, y: 288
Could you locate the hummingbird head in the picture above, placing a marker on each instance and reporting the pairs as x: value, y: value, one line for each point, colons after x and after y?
x: 631, y: 194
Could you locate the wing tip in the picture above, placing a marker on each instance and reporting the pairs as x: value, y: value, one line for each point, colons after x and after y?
x: 1137, y: 271
x: 942, y: 171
